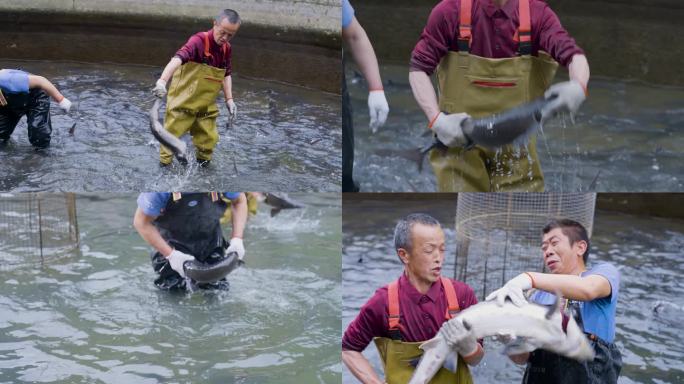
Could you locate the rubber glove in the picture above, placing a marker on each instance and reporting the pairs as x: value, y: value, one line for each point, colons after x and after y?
x: 513, y: 289
x: 568, y: 95
x: 232, y: 109
x: 177, y: 259
x: 458, y: 337
x: 65, y: 105
x: 378, y: 108
x: 160, y: 89
x: 236, y: 246
x: 449, y: 129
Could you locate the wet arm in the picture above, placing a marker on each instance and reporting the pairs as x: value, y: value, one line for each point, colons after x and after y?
x: 239, y: 215
x: 228, y: 87
x: 170, y: 68
x: 45, y: 85
x: 424, y: 93
x: 573, y: 287
x: 360, y: 367
x: 578, y: 70
x: 364, y: 55
x: 143, y: 224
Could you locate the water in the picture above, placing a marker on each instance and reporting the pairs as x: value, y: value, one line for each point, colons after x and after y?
x: 97, y: 317
x: 285, y: 138
x: 646, y: 250
x: 631, y: 132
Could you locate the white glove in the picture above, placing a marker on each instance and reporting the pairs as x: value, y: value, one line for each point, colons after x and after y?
x: 514, y: 289
x: 160, y: 89
x: 378, y: 108
x: 569, y: 96
x: 65, y: 104
x: 449, y: 129
x: 177, y: 259
x: 237, y: 247
x: 232, y: 108
x: 458, y: 337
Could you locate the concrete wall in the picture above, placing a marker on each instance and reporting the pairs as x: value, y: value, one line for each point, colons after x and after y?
x: 634, y: 39
x: 291, y: 41
x: 313, y: 15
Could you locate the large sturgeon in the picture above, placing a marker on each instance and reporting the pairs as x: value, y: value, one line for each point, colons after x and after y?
x: 208, y: 273
x: 532, y: 326
x: 176, y: 145
x: 280, y: 201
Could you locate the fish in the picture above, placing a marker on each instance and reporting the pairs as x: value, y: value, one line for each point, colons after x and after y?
x: 176, y: 145
x: 508, y: 127
x: 531, y: 326
x: 279, y: 202
x: 211, y: 272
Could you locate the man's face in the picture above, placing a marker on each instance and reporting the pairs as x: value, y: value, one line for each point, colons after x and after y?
x: 224, y: 31
x: 559, y: 256
x: 424, y: 259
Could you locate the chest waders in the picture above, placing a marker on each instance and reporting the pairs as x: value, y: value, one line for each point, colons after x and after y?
x: 482, y: 86
x: 191, y: 105
x: 191, y: 224
x: 548, y: 367
x: 396, y: 355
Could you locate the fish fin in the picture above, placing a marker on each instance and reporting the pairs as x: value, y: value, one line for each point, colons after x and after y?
x: 451, y: 362
x: 432, y: 343
x: 555, y: 307
x: 275, y: 211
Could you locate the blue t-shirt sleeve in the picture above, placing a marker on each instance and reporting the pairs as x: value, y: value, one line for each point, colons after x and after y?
x: 611, y: 274
x: 231, y: 195
x: 152, y: 203
x: 347, y: 13
x: 14, y: 81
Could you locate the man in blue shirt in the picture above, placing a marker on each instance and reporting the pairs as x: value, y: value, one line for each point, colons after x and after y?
x: 186, y: 226
x: 22, y: 93
x: 360, y: 47
x: 591, y: 293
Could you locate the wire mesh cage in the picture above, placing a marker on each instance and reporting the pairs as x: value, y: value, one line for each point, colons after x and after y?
x: 36, y: 227
x: 498, y: 235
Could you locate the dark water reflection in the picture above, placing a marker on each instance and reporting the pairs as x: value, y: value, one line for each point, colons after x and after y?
x: 285, y: 138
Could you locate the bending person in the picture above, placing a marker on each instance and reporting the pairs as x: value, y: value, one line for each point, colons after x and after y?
x: 22, y: 93
x: 186, y: 226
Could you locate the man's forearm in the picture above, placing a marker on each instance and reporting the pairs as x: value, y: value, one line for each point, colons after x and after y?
x: 239, y: 216
x: 578, y: 70
x: 475, y: 357
x: 360, y: 367
x: 228, y: 87
x: 45, y: 84
x: 363, y: 53
x: 170, y: 68
x: 424, y: 93
x: 573, y: 287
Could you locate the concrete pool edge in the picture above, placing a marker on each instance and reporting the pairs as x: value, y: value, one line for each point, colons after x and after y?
x: 261, y: 50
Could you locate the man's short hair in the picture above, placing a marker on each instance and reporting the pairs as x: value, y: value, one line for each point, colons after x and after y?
x: 402, y: 232
x: 572, y: 229
x: 229, y: 14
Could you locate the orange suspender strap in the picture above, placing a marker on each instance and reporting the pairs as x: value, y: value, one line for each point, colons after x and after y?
x: 464, y: 27
x: 393, y: 301
x: 524, y: 28
x: 206, y: 45
x: 452, y: 301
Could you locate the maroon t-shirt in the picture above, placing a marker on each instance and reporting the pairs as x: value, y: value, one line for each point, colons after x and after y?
x: 421, y: 316
x: 193, y: 51
x: 492, y: 32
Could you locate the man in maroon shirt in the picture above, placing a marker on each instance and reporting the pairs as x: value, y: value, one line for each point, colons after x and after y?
x: 200, y: 69
x: 422, y: 302
x: 491, y: 55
